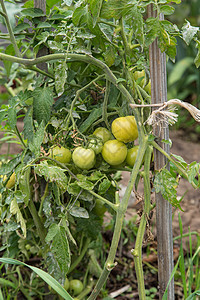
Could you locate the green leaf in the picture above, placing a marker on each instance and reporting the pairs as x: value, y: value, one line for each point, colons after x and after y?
x: 188, y: 32
x: 179, y: 69
x: 93, y: 116
x: 95, y: 8
x: 166, y: 184
x: 28, y: 125
x: 67, y: 2
x: 9, y: 166
x: 79, y: 212
x: 116, y: 8
x: 197, y: 58
x: 104, y: 186
x: 109, y: 56
x: 91, y: 227
x: 32, y: 12
x: 138, y: 24
x: 24, y: 184
x: 14, y: 210
x: 153, y: 30
x: 60, y: 249
x: 60, y: 77
x: 45, y: 276
x: 21, y: 27
x: 193, y: 171
x: 38, y: 137
x: 52, y: 174
x: 42, y: 103
x: 167, y: 10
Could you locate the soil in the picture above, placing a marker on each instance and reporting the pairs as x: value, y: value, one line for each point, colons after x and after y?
x: 190, y: 215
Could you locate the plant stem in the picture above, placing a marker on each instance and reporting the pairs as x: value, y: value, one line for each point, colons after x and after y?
x: 109, y: 265
x: 137, y: 252
x: 40, y: 227
x: 105, y: 104
x: 12, y: 37
x: 80, y: 257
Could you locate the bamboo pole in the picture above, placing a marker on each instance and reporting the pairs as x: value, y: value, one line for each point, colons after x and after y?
x: 163, y: 207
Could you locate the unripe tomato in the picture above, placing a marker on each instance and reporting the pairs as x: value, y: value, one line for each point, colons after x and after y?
x: 66, y: 284
x: 99, y: 208
x: 125, y: 129
x: 96, y: 145
x: 83, y: 158
x: 114, y: 152
x: 132, y: 155
x: 61, y: 154
x: 11, y: 181
x: 139, y: 74
x: 103, y: 133
x: 75, y: 286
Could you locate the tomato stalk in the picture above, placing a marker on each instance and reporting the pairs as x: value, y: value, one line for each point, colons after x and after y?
x: 137, y: 252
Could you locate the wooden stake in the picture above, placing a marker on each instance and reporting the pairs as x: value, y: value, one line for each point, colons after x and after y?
x: 163, y: 208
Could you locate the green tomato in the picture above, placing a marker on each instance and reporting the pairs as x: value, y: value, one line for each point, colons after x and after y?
x: 96, y: 145
x: 99, y: 208
x: 83, y: 158
x: 131, y: 156
x: 11, y: 181
x: 76, y: 286
x: 66, y: 284
x: 140, y: 76
x: 125, y: 129
x: 103, y: 133
x: 114, y: 152
x: 61, y: 154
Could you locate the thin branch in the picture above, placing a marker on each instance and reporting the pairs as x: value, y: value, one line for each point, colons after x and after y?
x: 9, y: 27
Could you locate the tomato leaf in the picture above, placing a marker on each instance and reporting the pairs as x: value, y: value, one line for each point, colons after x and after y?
x: 37, y: 140
x: 189, y: 32
x: 42, y: 103
x: 60, y: 246
x: 52, y: 174
x: 79, y: 212
x: 167, y: 10
x: 93, y: 116
x: 60, y: 77
x: 91, y: 227
x: 166, y: 184
x: 193, y: 171
x: 24, y: 184
x: 15, y: 210
x: 104, y: 186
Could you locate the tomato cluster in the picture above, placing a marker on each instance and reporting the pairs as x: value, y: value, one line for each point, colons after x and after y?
x: 113, y: 149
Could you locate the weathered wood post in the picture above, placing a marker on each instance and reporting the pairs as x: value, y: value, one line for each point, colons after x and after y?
x: 43, y: 51
x: 163, y: 207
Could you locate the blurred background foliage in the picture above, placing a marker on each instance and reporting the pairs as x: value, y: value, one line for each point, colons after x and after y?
x: 183, y: 76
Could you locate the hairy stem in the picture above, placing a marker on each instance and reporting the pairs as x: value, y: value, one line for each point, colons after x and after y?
x: 12, y: 37
x: 137, y: 252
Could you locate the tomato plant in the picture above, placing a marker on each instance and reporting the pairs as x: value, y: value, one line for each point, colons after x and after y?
x: 54, y: 205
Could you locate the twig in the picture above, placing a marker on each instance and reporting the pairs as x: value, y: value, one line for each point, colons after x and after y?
x: 120, y: 291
